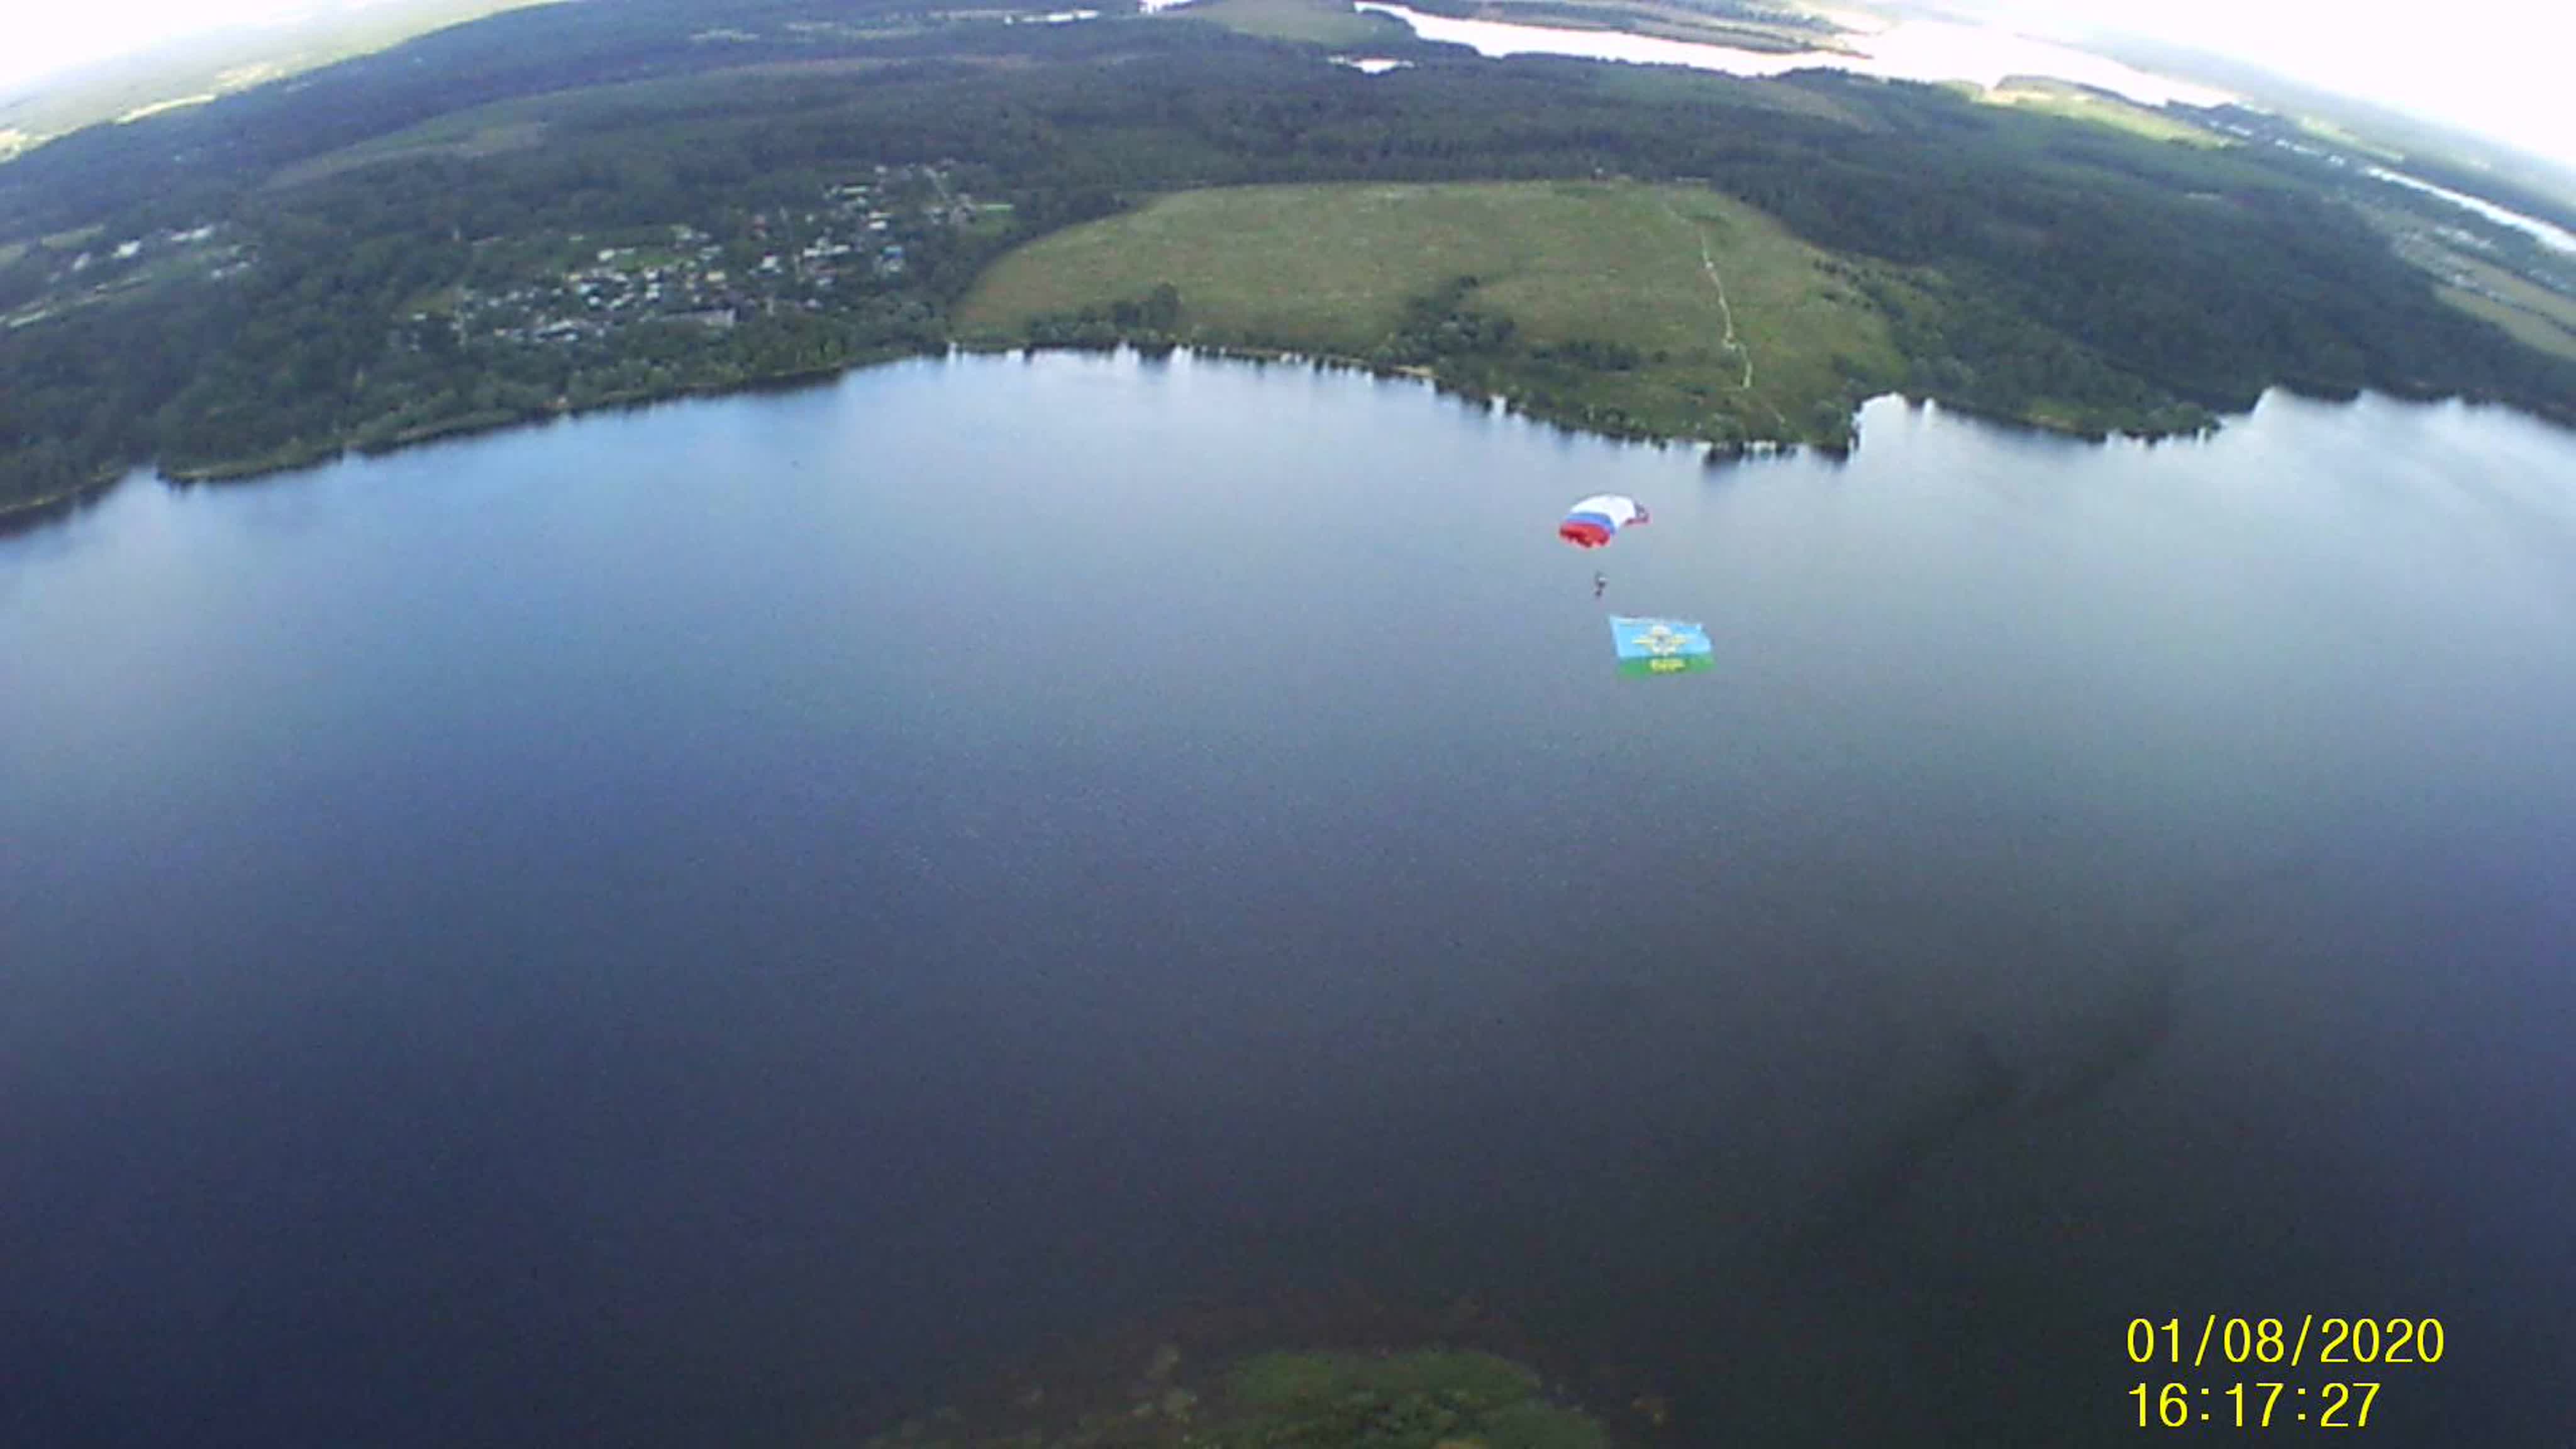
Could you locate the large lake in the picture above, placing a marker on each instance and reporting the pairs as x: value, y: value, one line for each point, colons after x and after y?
x: 731, y: 923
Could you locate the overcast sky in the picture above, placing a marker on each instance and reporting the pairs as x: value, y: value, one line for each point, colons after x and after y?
x: 54, y: 35
x: 2496, y: 67
x: 2499, y: 67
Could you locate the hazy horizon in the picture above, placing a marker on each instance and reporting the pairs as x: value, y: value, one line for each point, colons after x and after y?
x: 2460, y: 77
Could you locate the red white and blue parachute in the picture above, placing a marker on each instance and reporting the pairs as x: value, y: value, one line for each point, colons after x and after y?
x: 1592, y: 522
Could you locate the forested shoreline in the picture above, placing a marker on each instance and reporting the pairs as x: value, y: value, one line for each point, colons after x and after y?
x: 221, y: 319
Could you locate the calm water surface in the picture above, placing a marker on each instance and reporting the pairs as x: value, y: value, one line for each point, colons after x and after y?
x: 722, y: 924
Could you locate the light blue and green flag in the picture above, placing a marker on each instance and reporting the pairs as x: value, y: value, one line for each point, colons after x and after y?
x: 1660, y: 646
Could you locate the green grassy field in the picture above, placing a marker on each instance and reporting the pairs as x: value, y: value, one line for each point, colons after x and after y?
x: 2329, y: 131
x: 2519, y: 292
x: 2536, y: 316
x: 1670, y: 85
x: 445, y: 136
x: 2529, y: 328
x: 1319, y: 22
x: 1330, y: 269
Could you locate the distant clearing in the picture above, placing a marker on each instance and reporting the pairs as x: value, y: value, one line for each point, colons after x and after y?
x: 1318, y: 22
x: 1670, y: 84
x: 2517, y: 291
x: 445, y: 136
x: 2535, y: 316
x: 243, y: 77
x: 2081, y: 103
x: 1762, y: 329
x: 2529, y: 328
x: 2329, y: 131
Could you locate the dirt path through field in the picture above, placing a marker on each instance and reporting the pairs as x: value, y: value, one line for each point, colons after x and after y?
x: 1732, y: 343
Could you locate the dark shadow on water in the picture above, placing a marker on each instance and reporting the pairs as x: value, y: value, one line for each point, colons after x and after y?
x: 1984, y: 1085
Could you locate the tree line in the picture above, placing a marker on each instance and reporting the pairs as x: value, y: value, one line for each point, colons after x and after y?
x: 2063, y: 267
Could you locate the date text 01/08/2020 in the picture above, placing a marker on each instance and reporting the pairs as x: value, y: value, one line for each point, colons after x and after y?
x: 2273, y: 1341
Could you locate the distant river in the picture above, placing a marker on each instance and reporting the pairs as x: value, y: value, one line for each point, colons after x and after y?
x: 726, y: 923
x: 2556, y: 238
x: 1916, y: 50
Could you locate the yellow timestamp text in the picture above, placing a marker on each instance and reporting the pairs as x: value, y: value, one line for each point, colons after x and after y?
x: 2293, y: 1344
x: 2255, y: 1405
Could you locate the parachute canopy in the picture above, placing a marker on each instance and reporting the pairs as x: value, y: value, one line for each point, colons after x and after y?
x: 1660, y: 646
x: 1590, y: 523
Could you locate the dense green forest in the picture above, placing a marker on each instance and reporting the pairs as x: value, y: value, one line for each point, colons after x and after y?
x: 165, y: 295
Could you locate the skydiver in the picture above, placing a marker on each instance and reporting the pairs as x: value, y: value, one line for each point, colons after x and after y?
x: 1600, y: 581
